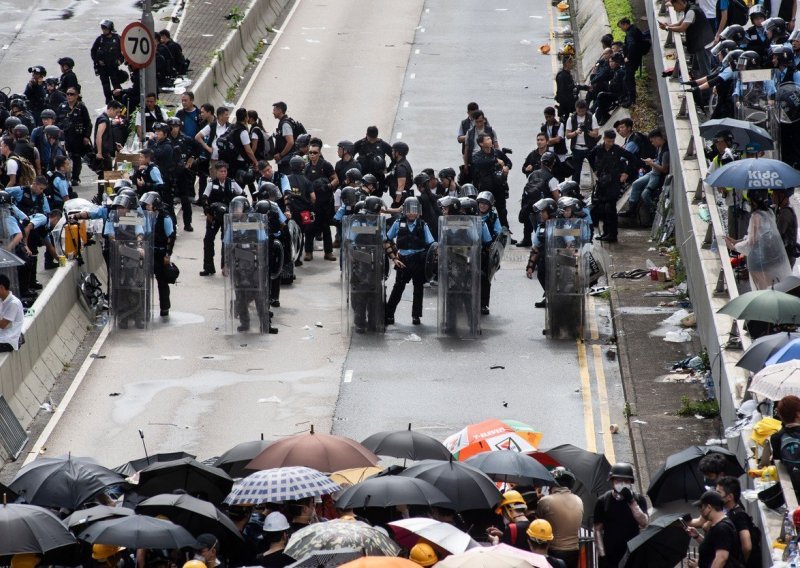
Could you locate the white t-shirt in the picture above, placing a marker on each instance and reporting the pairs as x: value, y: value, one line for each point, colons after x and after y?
x: 206, y: 132
x: 580, y: 139
x: 709, y: 8
x: 244, y: 138
x: 11, y: 309
x: 11, y: 168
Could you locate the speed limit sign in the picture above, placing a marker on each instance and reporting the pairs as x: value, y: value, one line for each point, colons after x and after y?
x: 138, y: 45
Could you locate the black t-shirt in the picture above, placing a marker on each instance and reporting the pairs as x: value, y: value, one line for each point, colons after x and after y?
x: 743, y: 522
x: 319, y: 176
x: 275, y: 560
x: 556, y: 562
x: 722, y: 536
x: 619, y: 526
x: 402, y: 169
x: 341, y: 169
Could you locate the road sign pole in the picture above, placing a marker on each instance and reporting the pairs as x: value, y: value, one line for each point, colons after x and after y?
x: 142, y: 93
x: 150, y: 70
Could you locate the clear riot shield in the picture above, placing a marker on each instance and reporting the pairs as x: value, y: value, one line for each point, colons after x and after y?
x: 496, y: 252
x: 363, y: 290
x: 752, y: 98
x: 131, y: 267
x: 9, y: 262
x: 566, y: 276
x: 459, y: 275
x: 246, y: 250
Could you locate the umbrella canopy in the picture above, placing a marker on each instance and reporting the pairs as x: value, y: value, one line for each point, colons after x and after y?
x: 325, y: 558
x: 62, y: 482
x: 788, y: 352
x: 467, y: 487
x: 81, y: 519
x: 764, y: 305
x: 407, y: 445
x: 138, y: 531
x: 380, y: 562
x: 407, y: 533
x: 776, y: 381
x: 500, y: 556
x: 137, y: 465
x: 187, y: 474
x: 512, y: 467
x: 322, y: 452
x: 663, y: 544
x: 755, y: 173
x: 338, y: 534
x: 235, y: 460
x: 354, y: 475
x: 744, y: 133
x: 492, y: 435
x: 31, y: 529
x: 279, y: 485
x: 193, y: 514
x: 680, y: 478
x: 754, y: 358
x: 390, y: 491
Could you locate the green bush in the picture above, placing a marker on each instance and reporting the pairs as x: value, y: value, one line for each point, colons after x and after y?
x: 616, y: 10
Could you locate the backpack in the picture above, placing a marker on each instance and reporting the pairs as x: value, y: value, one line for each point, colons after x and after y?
x: 265, y: 147
x: 646, y: 148
x: 26, y: 173
x: 647, y: 42
x: 297, y: 127
x: 229, y: 145
x: 790, y: 449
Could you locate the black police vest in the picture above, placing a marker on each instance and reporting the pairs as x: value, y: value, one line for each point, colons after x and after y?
x: 541, y: 231
x: 699, y: 33
x: 221, y: 193
x: 50, y: 191
x: 551, y: 130
x: 411, y: 240
x: 29, y: 203
x: 25, y: 150
x: 160, y: 239
x: 537, y: 186
x: 490, y: 223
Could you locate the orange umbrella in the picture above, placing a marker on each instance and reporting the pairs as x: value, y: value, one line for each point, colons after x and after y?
x: 380, y: 562
x: 492, y: 435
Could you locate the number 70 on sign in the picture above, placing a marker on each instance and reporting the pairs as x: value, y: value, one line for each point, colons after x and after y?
x: 137, y: 44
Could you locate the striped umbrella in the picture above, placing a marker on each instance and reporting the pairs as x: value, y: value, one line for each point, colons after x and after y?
x: 281, y: 484
x: 492, y: 435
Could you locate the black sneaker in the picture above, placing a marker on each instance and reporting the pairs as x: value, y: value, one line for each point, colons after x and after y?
x: 37, y: 285
x: 524, y: 244
x: 275, y: 303
x: 208, y: 272
x: 389, y: 320
x: 485, y: 310
x: 188, y: 228
x: 243, y: 327
x: 415, y: 321
x: 541, y: 303
x: 273, y: 330
x: 164, y: 313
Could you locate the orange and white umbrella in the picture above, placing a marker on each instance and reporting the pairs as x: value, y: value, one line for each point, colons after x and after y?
x: 493, y: 435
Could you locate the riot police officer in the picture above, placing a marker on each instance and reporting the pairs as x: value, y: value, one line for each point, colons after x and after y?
x: 545, y: 209
x: 107, y: 57
x: 301, y: 200
x: 165, y: 157
x: 68, y: 79
x: 163, y: 242
x: 219, y: 191
x: 280, y: 245
x: 610, y: 164
x: 185, y: 151
x: 492, y: 223
x: 72, y: 117
x: 541, y: 184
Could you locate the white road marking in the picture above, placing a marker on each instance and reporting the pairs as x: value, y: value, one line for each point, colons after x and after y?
x: 537, y: 17
x: 348, y: 375
x: 18, y: 27
x: 399, y: 135
x: 5, y: 46
x: 422, y: 30
x: 416, y: 52
x: 405, y: 104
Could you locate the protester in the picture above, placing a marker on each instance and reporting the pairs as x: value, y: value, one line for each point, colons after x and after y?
x: 720, y: 544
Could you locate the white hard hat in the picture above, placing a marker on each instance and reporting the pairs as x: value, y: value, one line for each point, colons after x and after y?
x: 276, y: 522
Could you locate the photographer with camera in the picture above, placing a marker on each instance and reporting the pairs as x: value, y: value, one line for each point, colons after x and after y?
x: 583, y: 133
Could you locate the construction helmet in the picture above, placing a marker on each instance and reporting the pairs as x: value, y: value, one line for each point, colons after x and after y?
x: 511, y: 498
x: 105, y: 551
x: 194, y: 564
x: 540, y: 531
x: 423, y: 554
x: 25, y: 560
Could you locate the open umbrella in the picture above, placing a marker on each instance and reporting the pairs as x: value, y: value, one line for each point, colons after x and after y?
x: 326, y: 558
x: 134, y: 466
x: 755, y: 173
x: 338, y: 534
x: 81, y: 519
x: 391, y: 491
x: 764, y: 305
x: 138, y: 531
x: 776, y: 381
x: 380, y: 562
x: 233, y: 461
x: 407, y: 445
x: 62, y: 482
x: 279, y: 485
x: 663, y: 544
x: 209, y: 483
x: 680, y: 478
x: 492, y: 435
x: 407, y: 533
x: 500, y: 556
x: 744, y: 133
x: 194, y: 515
x: 761, y: 349
x: 31, y: 529
x: 323, y: 452
x: 512, y: 467
x: 467, y: 487
x: 354, y: 475
x: 788, y: 352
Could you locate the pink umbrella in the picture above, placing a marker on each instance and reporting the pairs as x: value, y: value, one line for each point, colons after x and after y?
x: 537, y: 560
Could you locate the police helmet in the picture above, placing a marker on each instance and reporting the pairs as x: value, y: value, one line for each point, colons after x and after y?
x: 349, y: 196
x: 756, y: 10
x: 723, y: 47
x: 570, y: 188
x: 570, y: 202
x: 449, y: 173
x: 347, y: 146
x: 48, y: 113
x: 373, y: 205
x: 486, y: 197
x: 152, y: 198
x: 468, y: 206
x: 452, y: 204
x: 239, y: 204
x: 124, y: 200
x: 161, y: 126
x: 297, y: 164
x: 353, y: 175
x: 548, y: 159
x: 622, y: 470
x: 262, y: 206
x: 270, y: 190
x: 68, y: 61
x: 775, y: 25
x: 174, y: 121
x: 52, y: 131
x: 122, y: 184
x: 37, y: 70
x: 358, y: 207
x: 368, y: 179
x: 783, y: 53
x: 564, y: 477
x: 17, y: 103
x: 11, y: 122
x: 732, y: 58
x: 468, y: 190
x: 5, y: 198
x: 748, y: 59
x: 735, y: 33
x: 21, y: 131
x: 401, y: 148
x: 107, y: 24
x: 303, y: 140
x: 51, y: 81
x: 546, y: 204
x: 421, y: 179
x: 412, y: 205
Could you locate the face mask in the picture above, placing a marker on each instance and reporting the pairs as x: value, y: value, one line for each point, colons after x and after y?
x: 709, y: 483
x: 619, y: 486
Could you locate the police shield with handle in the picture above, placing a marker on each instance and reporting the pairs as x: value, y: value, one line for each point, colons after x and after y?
x: 246, y: 268
x: 567, y: 276
x: 130, y: 240
x: 278, y: 239
x: 10, y: 239
x: 363, y: 293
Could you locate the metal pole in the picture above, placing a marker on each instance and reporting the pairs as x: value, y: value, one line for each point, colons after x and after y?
x: 142, y: 92
x: 150, y: 71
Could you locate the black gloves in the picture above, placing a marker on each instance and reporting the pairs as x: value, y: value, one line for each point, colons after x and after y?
x: 626, y: 494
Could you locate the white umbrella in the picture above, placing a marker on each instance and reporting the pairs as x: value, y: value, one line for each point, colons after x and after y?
x: 776, y: 381
x: 445, y: 535
x: 500, y: 556
x: 281, y: 484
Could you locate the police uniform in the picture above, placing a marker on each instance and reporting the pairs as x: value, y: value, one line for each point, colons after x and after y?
x: 216, y: 193
x: 185, y: 148
x: 491, y: 223
x: 163, y: 241
x: 412, y: 238
x: 107, y: 57
x: 76, y: 125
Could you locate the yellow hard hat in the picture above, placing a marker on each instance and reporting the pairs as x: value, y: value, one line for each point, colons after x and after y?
x: 423, y: 554
x: 562, y: 6
x: 26, y: 560
x: 544, y: 49
x: 540, y: 530
x: 105, y: 551
x: 510, y: 498
x: 194, y: 564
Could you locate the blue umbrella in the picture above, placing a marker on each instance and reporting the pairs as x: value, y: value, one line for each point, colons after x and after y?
x: 786, y: 353
x: 755, y: 173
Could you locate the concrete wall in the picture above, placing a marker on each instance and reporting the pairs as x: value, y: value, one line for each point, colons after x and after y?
x: 591, y: 21
x: 227, y: 68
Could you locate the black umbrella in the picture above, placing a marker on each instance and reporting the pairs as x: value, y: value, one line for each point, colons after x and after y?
x: 194, y: 515
x: 138, y: 531
x: 680, y: 478
x: 6, y: 495
x: 390, y: 491
x: 663, y: 544
x: 62, y: 482
x: 763, y: 348
x: 466, y: 487
x: 406, y: 444
x: 744, y: 133
x: 233, y: 461
x: 85, y: 517
x: 204, y: 481
x: 32, y: 529
x: 134, y: 466
x: 512, y: 467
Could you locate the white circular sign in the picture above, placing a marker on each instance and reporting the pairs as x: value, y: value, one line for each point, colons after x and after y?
x: 138, y: 45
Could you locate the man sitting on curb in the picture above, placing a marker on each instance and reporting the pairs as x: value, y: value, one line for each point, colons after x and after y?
x: 12, y: 316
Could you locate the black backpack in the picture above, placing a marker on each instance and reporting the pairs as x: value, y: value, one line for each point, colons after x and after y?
x: 297, y: 127
x: 265, y: 147
x: 647, y: 42
x: 229, y: 146
x: 646, y: 148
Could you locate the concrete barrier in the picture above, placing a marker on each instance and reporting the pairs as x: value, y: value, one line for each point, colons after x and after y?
x: 591, y: 23
x: 227, y: 67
